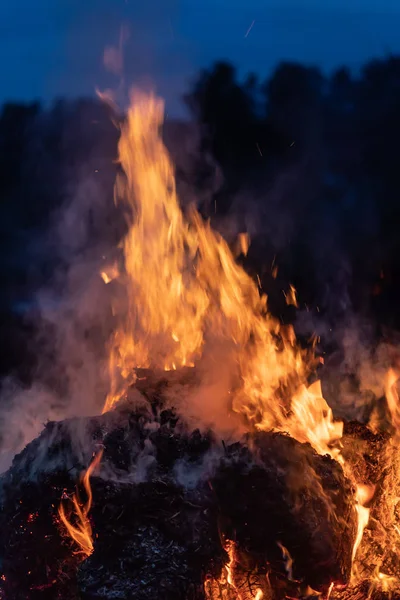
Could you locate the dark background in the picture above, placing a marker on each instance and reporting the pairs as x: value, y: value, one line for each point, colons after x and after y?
x: 314, y: 158
x: 54, y: 49
x: 303, y: 155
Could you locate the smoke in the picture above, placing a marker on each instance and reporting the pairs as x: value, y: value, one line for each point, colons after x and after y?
x: 357, y: 357
x: 23, y: 415
x: 207, y: 404
x: 75, y: 308
x: 71, y: 311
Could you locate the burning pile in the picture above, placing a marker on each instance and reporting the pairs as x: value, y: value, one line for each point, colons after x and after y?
x: 166, y: 508
x: 165, y: 496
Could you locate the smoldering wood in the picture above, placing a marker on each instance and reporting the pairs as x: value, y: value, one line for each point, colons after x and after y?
x: 162, y: 499
x: 285, y: 495
x: 374, y: 457
x: 365, y: 591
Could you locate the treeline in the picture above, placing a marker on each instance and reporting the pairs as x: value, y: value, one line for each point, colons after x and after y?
x: 324, y: 150
x: 318, y: 153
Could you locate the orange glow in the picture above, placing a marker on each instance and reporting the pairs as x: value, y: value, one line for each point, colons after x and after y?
x: 230, y: 549
x: 109, y: 274
x: 186, y: 291
x: 81, y: 533
x: 291, y: 298
x: 227, y: 578
x: 363, y: 495
x: 392, y: 397
x: 288, y: 561
x: 382, y: 582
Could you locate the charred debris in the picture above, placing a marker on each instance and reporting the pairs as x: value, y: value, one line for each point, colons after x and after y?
x: 170, y: 503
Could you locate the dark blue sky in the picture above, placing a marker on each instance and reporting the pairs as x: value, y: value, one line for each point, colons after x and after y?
x: 55, y: 47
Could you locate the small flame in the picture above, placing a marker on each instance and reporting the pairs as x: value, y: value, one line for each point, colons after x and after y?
x: 228, y: 574
x: 243, y: 243
x: 392, y: 397
x: 230, y: 549
x: 291, y: 297
x: 81, y: 533
x: 382, y: 582
x: 364, y: 494
x: 312, y: 421
x: 186, y: 292
x: 288, y: 561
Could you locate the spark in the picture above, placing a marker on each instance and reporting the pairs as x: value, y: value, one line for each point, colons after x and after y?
x: 249, y: 29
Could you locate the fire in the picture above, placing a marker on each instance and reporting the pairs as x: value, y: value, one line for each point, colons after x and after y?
x: 312, y: 421
x: 185, y: 292
x: 382, y: 582
x: 392, y: 397
x: 81, y: 533
x: 288, y: 561
x: 227, y: 581
x: 230, y: 549
x: 364, y: 494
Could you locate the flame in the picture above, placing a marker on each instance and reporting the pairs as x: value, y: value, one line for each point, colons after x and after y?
x: 230, y: 549
x: 364, y: 494
x: 227, y: 578
x: 312, y: 421
x: 185, y: 291
x: 81, y: 533
x: 291, y: 297
x: 382, y: 582
x: 288, y: 561
x: 243, y: 243
x: 392, y: 397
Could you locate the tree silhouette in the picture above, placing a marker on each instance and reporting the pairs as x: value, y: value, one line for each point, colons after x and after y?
x: 317, y: 155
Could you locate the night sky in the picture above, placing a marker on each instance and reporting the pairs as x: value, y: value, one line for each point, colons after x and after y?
x: 55, y: 47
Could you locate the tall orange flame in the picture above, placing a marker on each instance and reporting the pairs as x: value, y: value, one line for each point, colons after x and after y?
x: 81, y: 533
x: 185, y: 292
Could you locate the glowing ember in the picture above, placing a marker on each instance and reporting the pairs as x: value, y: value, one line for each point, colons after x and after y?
x: 81, y: 532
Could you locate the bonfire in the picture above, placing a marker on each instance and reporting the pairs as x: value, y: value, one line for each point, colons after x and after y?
x: 217, y: 470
